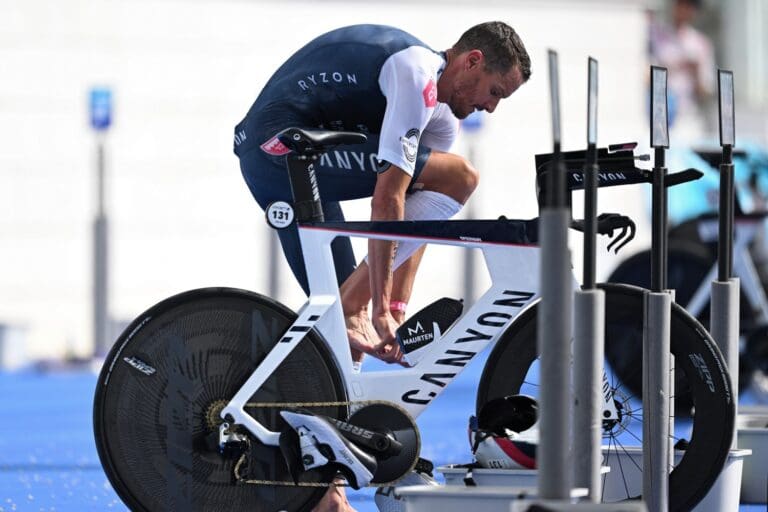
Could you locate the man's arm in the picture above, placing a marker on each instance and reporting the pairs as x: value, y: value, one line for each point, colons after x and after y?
x: 388, y: 203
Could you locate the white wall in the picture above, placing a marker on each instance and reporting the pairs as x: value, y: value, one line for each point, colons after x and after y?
x: 183, y: 74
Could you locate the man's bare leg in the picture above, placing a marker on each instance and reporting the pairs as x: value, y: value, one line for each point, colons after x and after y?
x: 356, y: 295
x: 402, y: 282
x: 443, y: 172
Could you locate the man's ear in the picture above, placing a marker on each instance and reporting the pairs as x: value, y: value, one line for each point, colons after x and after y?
x: 474, y: 58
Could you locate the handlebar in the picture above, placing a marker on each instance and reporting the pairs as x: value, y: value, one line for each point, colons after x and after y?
x: 607, y: 223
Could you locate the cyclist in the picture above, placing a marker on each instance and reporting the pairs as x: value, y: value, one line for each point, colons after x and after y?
x: 407, y: 98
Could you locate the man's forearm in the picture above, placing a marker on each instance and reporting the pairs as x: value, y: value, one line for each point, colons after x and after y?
x: 380, y: 257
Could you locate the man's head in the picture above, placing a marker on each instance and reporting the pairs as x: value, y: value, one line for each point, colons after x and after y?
x: 488, y: 62
x: 685, y: 11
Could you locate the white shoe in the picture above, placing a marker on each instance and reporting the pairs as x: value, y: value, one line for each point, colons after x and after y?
x: 388, y: 501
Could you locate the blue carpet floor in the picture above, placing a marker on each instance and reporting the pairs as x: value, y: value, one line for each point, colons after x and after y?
x: 48, y: 461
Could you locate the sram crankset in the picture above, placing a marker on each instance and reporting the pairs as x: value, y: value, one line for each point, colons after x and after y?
x: 382, y: 429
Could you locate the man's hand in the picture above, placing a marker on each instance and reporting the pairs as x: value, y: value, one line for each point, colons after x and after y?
x: 388, y: 348
x: 366, y: 338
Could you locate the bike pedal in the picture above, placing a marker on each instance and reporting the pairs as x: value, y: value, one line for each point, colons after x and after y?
x: 425, y: 326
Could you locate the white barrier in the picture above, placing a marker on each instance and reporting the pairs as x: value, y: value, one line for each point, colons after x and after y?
x: 752, y: 434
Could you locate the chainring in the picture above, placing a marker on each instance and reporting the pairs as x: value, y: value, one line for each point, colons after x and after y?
x: 391, y: 420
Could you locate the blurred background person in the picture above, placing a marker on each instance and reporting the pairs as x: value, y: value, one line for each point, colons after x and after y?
x: 689, y: 56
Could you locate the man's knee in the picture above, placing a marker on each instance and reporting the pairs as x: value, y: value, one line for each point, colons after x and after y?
x: 450, y: 174
x: 469, y: 178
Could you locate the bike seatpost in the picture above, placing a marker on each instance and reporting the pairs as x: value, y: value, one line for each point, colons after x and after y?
x: 306, y: 195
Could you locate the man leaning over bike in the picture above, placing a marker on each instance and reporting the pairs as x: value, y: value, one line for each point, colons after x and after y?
x: 408, y: 99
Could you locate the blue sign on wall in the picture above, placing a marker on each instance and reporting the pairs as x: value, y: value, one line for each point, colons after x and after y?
x: 101, y: 108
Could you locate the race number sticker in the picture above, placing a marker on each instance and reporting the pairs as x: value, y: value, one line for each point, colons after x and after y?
x: 279, y: 214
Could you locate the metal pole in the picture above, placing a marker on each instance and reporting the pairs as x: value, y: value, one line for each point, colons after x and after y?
x: 470, y: 257
x: 725, y: 220
x: 589, y: 325
x: 659, y: 223
x: 724, y: 309
x: 656, y: 400
x: 555, y: 313
x: 101, y: 332
x: 657, y: 317
x: 554, y: 346
x: 274, y: 269
x: 588, y: 354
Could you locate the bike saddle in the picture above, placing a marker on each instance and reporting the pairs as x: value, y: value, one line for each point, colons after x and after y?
x: 312, y: 442
x: 309, y: 142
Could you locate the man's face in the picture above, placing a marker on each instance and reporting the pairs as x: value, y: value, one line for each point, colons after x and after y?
x: 684, y: 12
x: 474, y: 88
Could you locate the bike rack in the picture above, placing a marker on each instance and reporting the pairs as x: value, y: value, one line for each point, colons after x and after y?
x: 724, y: 311
x: 725, y: 290
x: 555, y: 311
x: 658, y: 314
x: 589, y: 324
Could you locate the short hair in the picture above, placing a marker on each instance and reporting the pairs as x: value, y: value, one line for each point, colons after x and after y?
x: 501, y: 45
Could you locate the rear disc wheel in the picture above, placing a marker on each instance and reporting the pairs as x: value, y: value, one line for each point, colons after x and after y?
x: 162, y: 388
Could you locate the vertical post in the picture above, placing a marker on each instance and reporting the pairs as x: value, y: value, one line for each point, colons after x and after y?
x: 471, y: 126
x: 589, y: 326
x: 590, y: 181
x: 101, y: 332
x: 725, y: 291
x: 658, y: 303
x: 555, y: 313
x: 274, y: 267
x: 101, y: 118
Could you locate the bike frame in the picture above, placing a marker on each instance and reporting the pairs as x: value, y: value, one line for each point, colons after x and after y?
x: 514, y: 271
x: 745, y: 230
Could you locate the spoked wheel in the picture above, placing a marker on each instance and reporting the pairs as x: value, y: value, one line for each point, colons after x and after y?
x: 513, y: 368
x: 164, y: 383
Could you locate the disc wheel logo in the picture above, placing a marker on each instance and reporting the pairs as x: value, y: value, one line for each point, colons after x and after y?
x: 279, y: 214
x: 410, y: 144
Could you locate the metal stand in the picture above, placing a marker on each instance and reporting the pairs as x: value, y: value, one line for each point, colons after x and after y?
x: 101, y: 334
x: 656, y: 398
x: 656, y: 359
x: 724, y: 311
x: 589, y: 333
x: 555, y: 313
x: 589, y: 329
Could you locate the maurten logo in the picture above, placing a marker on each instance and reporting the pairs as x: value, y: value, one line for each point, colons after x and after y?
x: 418, y: 336
x: 415, y: 330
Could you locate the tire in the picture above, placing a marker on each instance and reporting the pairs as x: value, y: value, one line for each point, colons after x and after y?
x: 688, y: 265
x: 510, y: 366
x: 167, y: 377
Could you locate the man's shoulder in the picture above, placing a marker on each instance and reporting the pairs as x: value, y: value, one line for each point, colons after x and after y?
x: 384, y: 36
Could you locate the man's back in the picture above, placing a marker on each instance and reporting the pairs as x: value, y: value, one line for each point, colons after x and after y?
x: 332, y: 82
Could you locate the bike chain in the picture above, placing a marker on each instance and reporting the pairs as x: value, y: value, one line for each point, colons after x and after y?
x: 338, y: 481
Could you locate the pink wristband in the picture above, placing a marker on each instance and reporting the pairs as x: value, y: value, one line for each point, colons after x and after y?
x: 398, y: 305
